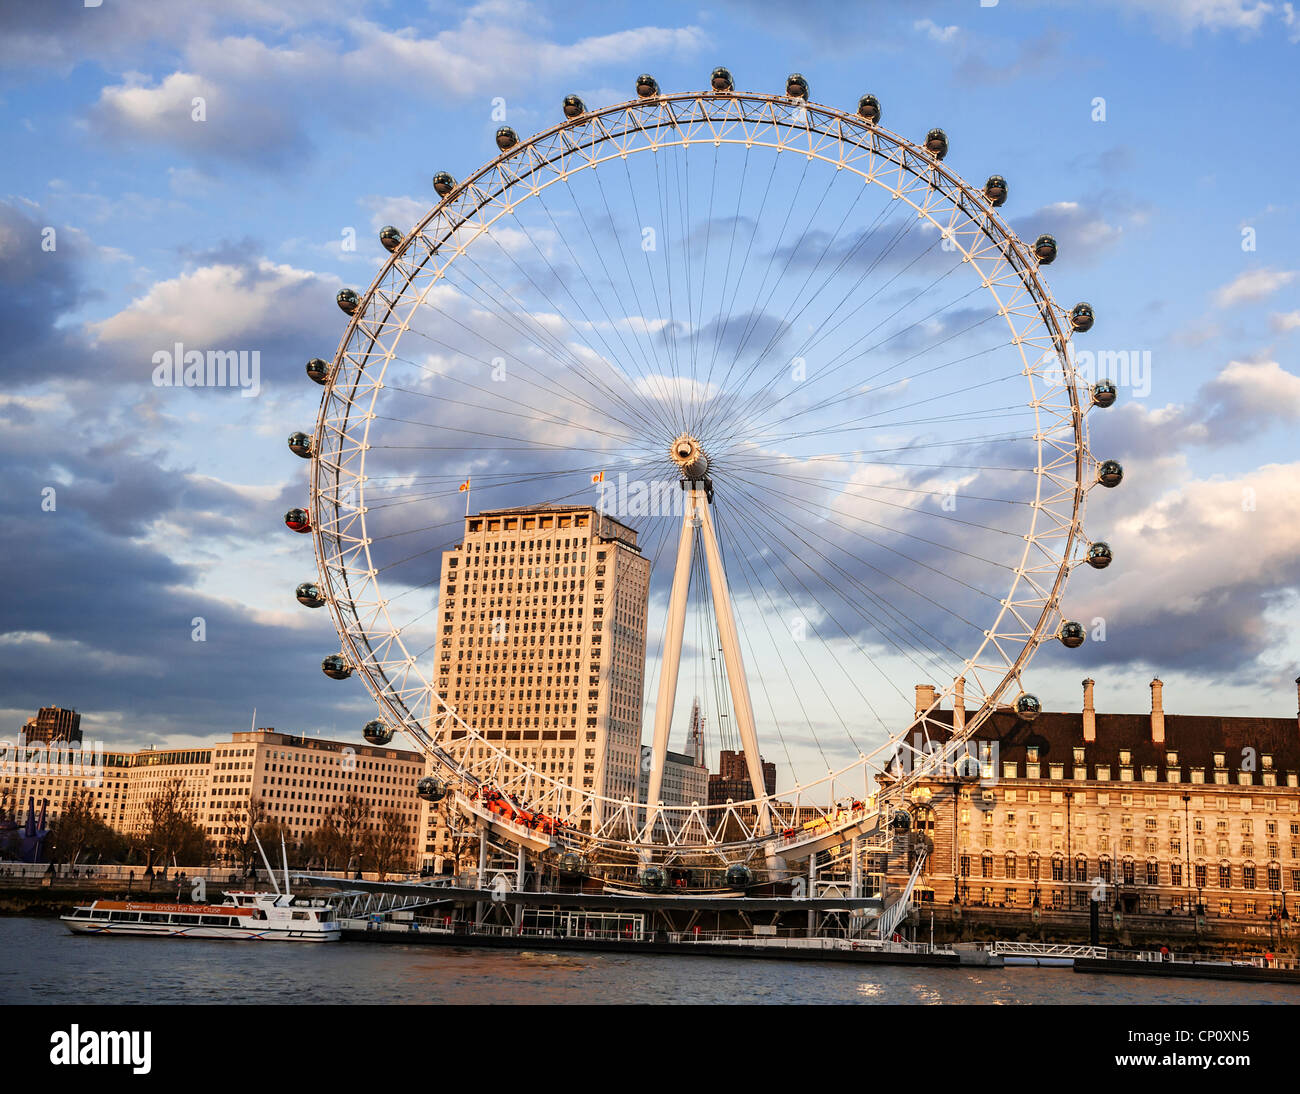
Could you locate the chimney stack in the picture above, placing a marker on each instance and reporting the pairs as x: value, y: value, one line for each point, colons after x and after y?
x: 1157, y: 712
x: 959, y: 703
x: 1089, y: 712
x: 925, y: 697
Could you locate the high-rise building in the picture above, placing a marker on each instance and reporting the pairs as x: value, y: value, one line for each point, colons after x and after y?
x: 542, y: 643
x: 53, y: 724
x: 731, y: 781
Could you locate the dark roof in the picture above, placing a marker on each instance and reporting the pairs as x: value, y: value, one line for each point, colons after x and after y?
x: 1195, y: 737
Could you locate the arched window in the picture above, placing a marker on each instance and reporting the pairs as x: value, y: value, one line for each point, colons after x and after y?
x: 1009, y: 863
x: 1058, y: 867
x: 1080, y: 867
x: 1033, y: 865
x: 986, y: 864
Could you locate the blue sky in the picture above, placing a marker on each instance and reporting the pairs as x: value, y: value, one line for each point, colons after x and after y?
x: 227, y: 233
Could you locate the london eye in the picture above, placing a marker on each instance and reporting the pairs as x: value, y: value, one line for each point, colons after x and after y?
x: 824, y: 392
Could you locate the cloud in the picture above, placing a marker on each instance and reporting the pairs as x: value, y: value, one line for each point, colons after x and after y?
x: 1285, y: 322
x: 935, y: 32
x: 1251, y: 286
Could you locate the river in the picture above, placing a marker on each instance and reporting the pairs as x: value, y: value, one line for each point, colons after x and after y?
x: 44, y: 963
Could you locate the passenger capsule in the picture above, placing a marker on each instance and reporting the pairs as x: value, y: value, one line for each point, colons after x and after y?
x: 318, y: 370
x: 507, y: 138
x: 1099, y: 556
x: 574, y: 107
x: 995, y: 190
x: 572, y: 863
x: 431, y: 789
x: 1104, y: 393
x: 1071, y: 634
x: 348, y: 301
x: 335, y: 667
x: 298, y: 520
x: 376, y: 733
x: 1110, y: 473
x: 1028, y: 707
x: 654, y: 879
x: 796, y: 87
x: 1045, y: 249
x: 309, y: 595
x: 721, y: 80
x: 443, y: 184
x: 1081, y: 317
x: 390, y: 237
x: 739, y: 875
x: 936, y: 143
x: 869, y: 108
x: 647, y: 87
x: 300, y: 445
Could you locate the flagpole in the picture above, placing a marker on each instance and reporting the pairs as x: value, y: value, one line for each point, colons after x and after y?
x: 467, y: 490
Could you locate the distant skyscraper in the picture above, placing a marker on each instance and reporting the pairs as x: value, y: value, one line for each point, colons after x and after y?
x: 53, y: 724
x: 695, y: 735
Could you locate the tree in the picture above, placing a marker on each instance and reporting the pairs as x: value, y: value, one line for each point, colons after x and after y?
x: 385, y: 848
x: 76, y: 829
x: 245, y: 846
x: 172, y: 832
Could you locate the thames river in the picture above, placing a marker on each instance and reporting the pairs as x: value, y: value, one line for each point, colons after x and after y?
x: 43, y: 963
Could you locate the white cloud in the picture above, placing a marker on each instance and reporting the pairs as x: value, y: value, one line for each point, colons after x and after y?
x: 1285, y: 322
x: 1251, y: 286
x: 215, y: 305
x: 936, y: 32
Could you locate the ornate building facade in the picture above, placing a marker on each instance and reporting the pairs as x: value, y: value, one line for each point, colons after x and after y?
x: 1147, y: 812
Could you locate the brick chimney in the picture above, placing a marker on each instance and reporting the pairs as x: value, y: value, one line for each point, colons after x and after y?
x: 925, y: 696
x: 1089, y: 712
x: 959, y: 703
x: 1157, y: 712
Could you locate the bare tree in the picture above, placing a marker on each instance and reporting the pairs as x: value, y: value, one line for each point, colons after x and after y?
x: 386, y: 847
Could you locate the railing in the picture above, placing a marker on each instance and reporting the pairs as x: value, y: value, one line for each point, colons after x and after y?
x: 893, y: 915
x: 1044, y: 949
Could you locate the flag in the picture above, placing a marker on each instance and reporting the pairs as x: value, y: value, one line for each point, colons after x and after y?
x: 464, y: 486
x: 598, y: 477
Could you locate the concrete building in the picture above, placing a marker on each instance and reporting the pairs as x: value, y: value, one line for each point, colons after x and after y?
x: 1153, y: 812
x: 295, y: 780
x: 685, y: 782
x: 542, y: 644
x: 300, y: 780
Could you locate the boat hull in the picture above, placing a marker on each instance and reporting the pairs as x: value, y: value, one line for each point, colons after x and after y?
x: 164, y: 930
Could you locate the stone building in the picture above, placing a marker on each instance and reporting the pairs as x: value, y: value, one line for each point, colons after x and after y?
x: 1150, y: 812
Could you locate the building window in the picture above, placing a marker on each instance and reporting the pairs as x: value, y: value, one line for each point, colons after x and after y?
x: 1248, y: 876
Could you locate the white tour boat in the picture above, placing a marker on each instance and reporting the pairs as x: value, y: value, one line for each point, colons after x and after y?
x: 261, y: 917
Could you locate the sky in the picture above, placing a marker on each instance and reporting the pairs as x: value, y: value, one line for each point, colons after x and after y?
x: 1155, y: 139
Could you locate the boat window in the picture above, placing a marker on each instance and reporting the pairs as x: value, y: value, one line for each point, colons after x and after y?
x: 153, y: 917
x: 301, y: 915
x: 215, y: 920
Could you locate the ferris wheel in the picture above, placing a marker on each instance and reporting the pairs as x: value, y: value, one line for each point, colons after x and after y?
x: 811, y: 373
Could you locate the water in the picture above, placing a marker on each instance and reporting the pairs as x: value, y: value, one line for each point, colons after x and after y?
x: 43, y: 963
